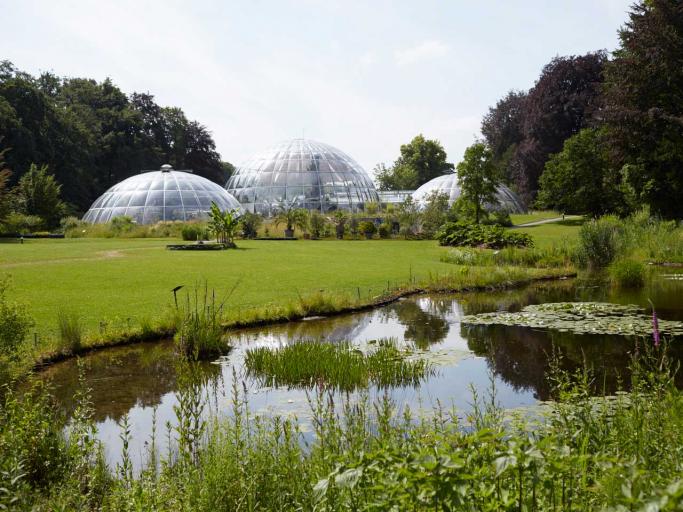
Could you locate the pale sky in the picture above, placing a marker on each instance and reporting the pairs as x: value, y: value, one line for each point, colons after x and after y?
x: 365, y: 76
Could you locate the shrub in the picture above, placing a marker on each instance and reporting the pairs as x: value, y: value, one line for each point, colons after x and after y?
x: 194, y: 232
x: 552, y: 257
x: 15, y: 323
x: 368, y: 228
x: 475, y: 235
x: 627, y: 273
x: 600, y: 242
x: 250, y: 223
x: 317, y: 223
x: 384, y: 230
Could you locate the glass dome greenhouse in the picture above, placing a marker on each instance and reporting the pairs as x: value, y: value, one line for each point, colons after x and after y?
x: 447, y: 184
x: 163, y: 195
x: 310, y: 174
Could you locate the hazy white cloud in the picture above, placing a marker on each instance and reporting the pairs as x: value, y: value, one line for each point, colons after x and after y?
x: 426, y: 50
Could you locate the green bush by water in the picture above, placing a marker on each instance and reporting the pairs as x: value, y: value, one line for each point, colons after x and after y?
x: 627, y: 273
x: 600, y: 242
x: 337, y: 365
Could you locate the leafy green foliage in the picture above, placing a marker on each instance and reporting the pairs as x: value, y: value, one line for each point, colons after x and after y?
x: 478, y: 178
x: 39, y: 194
x: 15, y: 323
x: 627, y: 273
x: 289, y: 214
x: 91, y: 135
x: 250, y: 224
x: 433, y: 214
x: 579, y: 178
x: 600, y: 242
x: 420, y: 161
x: 224, y: 224
x: 194, y: 232
x: 546, y: 257
x: 643, y: 87
x: 475, y: 235
x: 367, y: 228
x: 317, y: 223
x: 70, y: 331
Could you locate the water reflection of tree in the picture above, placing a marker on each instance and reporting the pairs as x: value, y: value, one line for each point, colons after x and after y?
x: 120, y: 379
x: 422, y: 328
x: 521, y: 356
x: 515, y: 299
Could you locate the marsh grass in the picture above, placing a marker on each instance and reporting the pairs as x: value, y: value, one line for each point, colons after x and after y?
x: 199, y: 325
x: 70, y: 331
x: 627, y: 273
x: 336, y: 365
x: 555, y: 256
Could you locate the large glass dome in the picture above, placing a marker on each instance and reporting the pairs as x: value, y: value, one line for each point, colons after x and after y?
x: 311, y: 174
x: 447, y: 184
x: 161, y: 195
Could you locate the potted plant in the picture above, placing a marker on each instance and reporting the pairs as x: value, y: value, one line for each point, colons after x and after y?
x: 291, y: 216
x: 368, y: 228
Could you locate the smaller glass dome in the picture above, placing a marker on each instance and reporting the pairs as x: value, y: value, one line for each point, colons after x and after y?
x: 448, y: 184
x: 163, y: 195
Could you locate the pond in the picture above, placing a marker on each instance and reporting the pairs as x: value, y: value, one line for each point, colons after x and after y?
x: 141, y: 380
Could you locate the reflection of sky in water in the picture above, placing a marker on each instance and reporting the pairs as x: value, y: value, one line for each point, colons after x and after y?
x: 137, y: 379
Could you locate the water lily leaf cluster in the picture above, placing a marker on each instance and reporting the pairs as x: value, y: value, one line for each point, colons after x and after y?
x: 581, y: 318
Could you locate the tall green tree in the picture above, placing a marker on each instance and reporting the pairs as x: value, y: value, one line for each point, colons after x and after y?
x: 644, y: 105
x: 39, y: 194
x: 579, y: 178
x: 420, y: 161
x: 478, y: 178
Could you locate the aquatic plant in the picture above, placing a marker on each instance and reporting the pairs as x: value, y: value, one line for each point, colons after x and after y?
x: 580, y: 318
x: 338, y: 365
x: 627, y: 273
x: 199, y: 325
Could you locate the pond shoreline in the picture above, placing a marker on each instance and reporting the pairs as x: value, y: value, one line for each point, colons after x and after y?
x: 384, y: 300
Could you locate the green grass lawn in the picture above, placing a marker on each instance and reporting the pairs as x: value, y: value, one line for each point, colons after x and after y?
x: 115, y: 279
x: 558, y: 233
x: 523, y: 218
x: 124, y: 281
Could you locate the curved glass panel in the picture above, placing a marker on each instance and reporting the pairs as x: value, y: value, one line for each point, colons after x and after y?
x: 448, y: 184
x: 313, y: 175
x: 164, y: 195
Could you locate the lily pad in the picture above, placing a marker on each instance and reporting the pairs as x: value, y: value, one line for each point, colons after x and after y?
x: 581, y: 318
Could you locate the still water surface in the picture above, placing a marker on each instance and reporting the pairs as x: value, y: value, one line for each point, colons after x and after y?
x: 141, y: 380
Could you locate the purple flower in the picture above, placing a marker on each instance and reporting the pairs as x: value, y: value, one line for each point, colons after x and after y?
x: 655, y: 328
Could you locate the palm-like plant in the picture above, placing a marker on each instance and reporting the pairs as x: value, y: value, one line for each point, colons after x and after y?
x: 224, y: 224
x: 292, y: 216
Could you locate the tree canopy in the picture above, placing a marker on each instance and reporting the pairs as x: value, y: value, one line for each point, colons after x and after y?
x: 91, y: 135
x: 644, y: 105
x: 478, y: 178
x: 420, y: 160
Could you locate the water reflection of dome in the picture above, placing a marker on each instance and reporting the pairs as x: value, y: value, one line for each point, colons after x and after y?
x: 448, y: 184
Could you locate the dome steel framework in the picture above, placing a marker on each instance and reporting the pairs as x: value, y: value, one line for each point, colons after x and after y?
x: 311, y: 174
x: 447, y: 184
x: 163, y: 195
